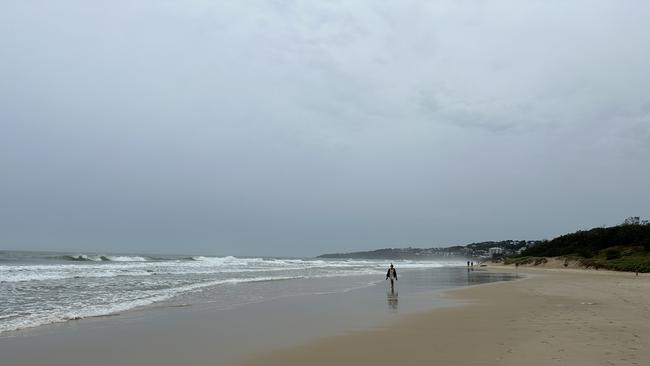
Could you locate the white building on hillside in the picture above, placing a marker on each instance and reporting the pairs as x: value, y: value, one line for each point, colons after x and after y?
x: 496, y: 251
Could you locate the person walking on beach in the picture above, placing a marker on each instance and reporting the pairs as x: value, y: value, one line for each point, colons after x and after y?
x: 392, y: 274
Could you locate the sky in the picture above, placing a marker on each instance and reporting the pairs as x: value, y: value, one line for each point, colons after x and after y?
x: 294, y: 128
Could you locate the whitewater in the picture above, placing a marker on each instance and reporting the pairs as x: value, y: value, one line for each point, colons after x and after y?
x: 43, y: 288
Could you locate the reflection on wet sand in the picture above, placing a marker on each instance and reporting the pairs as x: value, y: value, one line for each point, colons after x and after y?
x: 391, y: 298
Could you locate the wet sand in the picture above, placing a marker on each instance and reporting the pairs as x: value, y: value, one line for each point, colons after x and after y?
x: 553, y: 317
x: 205, y: 334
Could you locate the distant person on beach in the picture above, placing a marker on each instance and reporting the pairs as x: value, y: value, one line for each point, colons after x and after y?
x: 392, y: 274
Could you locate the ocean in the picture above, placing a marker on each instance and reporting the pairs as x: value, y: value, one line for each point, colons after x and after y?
x: 39, y: 288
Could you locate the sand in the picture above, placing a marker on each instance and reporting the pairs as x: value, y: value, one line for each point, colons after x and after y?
x: 553, y: 317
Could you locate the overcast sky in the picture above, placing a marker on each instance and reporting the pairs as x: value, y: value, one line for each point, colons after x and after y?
x: 302, y: 127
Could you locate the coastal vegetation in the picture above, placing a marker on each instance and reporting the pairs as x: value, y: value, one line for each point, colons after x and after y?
x: 624, y: 247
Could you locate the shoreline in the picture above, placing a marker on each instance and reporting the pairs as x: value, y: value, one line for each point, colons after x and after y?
x: 553, y: 316
x: 205, y: 333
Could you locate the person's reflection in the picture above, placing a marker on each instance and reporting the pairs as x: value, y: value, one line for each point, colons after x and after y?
x: 391, y: 297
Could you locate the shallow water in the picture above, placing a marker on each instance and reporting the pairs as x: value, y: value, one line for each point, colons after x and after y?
x: 43, y: 288
x: 222, y: 324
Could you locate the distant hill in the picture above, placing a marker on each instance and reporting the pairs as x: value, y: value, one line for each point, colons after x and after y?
x: 473, y: 250
x: 589, y: 243
x: 399, y: 253
x: 624, y: 247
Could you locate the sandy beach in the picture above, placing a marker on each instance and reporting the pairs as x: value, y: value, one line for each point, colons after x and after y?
x: 552, y: 317
x: 549, y: 316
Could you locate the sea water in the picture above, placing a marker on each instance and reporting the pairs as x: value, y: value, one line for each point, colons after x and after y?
x: 44, y: 288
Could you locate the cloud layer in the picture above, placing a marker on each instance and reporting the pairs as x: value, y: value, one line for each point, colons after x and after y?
x: 288, y: 127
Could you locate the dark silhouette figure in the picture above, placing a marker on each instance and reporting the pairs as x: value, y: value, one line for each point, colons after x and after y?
x: 392, y: 274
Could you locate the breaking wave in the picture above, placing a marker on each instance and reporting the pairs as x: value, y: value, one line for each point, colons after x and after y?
x: 85, y: 285
x: 14, y: 322
x: 101, y: 258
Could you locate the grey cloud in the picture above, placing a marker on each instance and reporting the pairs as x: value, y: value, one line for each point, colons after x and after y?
x: 294, y: 128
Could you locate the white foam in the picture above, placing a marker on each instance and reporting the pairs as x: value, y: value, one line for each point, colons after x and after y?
x: 151, y: 297
x: 120, y: 258
x: 31, y: 300
x: 140, y: 266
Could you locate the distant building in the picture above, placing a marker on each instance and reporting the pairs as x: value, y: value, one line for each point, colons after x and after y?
x: 496, y: 251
